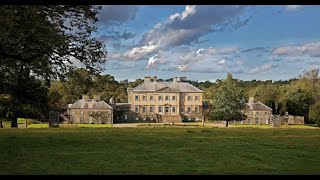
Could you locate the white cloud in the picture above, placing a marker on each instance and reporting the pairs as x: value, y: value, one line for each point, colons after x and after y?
x: 202, y: 60
x: 188, y: 26
x: 263, y: 68
x: 139, y: 52
x: 154, y: 61
x: 174, y: 16
x: 74, y: 62
x: 293, y: 7
x: 189, y: 10
x: 310, y: 49
x: 223, y: 61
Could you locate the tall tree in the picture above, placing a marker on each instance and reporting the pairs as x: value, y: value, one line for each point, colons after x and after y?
x: 229, y: 101
x: 267, y: 94
x: 42, y: 42
x: 314, y: 113
x: 311, y: 76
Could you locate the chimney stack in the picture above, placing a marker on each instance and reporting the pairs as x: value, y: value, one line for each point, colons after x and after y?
x: 175, y: 79
x: 85, y: 97
x: 147, y: 79
x: 183, y: 79
x: 154, y: 79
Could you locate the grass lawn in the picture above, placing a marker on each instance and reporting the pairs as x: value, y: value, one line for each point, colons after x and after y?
x: 157, y: 150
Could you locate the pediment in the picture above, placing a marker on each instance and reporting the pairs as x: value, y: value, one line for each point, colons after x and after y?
x: 167, y: 89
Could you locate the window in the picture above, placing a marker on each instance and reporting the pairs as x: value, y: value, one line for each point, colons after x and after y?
x: 173, y: 109
x: 144, y: 98
x: 257, y: 112
x: 144, y: 109
x: 183, y: 97
x: 137, y: 109
x: 151, y: 119
x: 189, y: 98
x: 151, y: 109
x: 151, y: 98
x: 144, y: 118
x: 125, y: 117
x: 189, y: 109
x: 160, y: 98
x: 196, y: 98
x: 173, y: 98
x: 182, y: 109
x: 160, y: 109
x: 137, y: 98
x: 266, y: 113
x: 167, y: 98
x: 197, y: 109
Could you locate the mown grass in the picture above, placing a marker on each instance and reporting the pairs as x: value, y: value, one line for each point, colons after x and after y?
x: 303, y: 126
x: 159, y: 151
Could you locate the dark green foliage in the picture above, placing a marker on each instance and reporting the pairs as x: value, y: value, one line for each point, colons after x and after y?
x: 228, y: 102
x: 37, y: 44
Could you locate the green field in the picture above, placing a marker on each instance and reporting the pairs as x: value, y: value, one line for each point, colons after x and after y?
x: 157, y: 150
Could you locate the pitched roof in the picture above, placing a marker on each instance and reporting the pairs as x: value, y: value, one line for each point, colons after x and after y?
x: 123, y: 106
x: 166, y: 87
x: 89, y: 104
x: 258, y: 106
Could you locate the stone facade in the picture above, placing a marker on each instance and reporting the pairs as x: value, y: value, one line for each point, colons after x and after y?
x: 165, y: 101
x: 88, y: 110
x: 257, y: 113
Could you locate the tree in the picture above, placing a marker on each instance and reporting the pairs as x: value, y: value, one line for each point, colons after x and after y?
x: 229, y: 101
x: 267, y: 94
x: 41, y: 42
x: 311, y: 76
x: 314, y: 113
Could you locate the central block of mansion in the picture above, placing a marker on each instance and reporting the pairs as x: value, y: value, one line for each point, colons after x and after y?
x: 164, y: 101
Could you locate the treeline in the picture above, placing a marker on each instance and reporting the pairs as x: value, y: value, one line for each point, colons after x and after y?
x: 294, y: 96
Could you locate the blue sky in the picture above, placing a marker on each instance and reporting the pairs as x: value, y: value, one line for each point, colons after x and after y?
x: 206, y: 42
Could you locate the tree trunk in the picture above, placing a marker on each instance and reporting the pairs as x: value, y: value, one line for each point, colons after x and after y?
x: 227, y: 122
x: 1, y: 125
x: 14, y: 122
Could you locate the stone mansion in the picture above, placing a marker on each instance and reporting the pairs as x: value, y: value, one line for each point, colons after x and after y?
x: 165, y: 101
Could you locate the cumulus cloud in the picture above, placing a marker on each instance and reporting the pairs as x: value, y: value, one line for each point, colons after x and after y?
x: 188, y: 26
x: 310, y: 49
x: 203, y: 60
x: 116, y: 14
x: 139, y: 52
x: 293, y: 7
x: 154, y: 61
x: 263, y: 68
